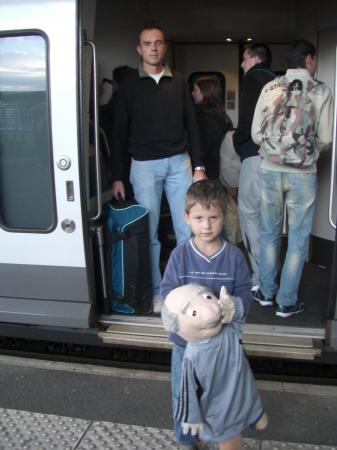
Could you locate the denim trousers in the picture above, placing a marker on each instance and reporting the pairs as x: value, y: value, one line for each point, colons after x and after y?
x: 297, y: 193
x: 249, y: 211
x: 149, y: 179
x: 176, y: 365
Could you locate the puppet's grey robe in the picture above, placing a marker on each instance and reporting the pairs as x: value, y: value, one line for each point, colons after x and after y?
x: 217, y: 387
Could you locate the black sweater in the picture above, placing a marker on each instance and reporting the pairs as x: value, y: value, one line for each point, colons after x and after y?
x: 213, y: 126
x: 153, y: 121
x: 253, y: 82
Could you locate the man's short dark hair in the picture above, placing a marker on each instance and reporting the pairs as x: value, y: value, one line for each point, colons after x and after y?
x: 297, y: 53
x: 260, y: 50
x: 150, y: 25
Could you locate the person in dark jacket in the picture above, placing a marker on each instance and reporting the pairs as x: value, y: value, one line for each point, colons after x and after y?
x: 213, y: 125
x: 256, y: 67
x: 155, y: 123
x: 106, y: 111
x: 106, y: 120
x: 212, y: 120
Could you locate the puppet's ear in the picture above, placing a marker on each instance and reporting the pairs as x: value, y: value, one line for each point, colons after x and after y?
x: 170, y: 320
x: 227, y: 306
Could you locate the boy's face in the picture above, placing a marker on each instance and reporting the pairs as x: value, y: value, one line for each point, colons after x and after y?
x: 206, y: 224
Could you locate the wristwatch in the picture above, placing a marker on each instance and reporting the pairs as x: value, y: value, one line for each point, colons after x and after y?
x: 202, y: 168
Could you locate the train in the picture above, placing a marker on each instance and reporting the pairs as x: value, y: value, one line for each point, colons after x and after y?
x: 54, y: 57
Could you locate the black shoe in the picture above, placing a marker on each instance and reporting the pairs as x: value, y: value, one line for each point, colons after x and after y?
x: 287, y: 311
x: 259, y: 297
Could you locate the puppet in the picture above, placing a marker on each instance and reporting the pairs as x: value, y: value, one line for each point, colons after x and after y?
x: 218, y: 397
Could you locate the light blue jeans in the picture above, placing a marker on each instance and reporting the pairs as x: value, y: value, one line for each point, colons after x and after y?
x: 176, y: 366
x: 296, y: 192
x: 149, y: 179
x: 249, y: 196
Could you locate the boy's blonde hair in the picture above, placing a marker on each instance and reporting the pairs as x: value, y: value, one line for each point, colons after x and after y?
x: 207, y: 193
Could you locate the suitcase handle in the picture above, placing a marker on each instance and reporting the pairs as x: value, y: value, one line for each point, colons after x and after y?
x: 121, y: 203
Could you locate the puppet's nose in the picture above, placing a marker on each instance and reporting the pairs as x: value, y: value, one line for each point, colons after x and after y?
x: 213, y: 311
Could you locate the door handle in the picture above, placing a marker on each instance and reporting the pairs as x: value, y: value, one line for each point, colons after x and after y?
x: 96, y: 133
x: 333, y: 158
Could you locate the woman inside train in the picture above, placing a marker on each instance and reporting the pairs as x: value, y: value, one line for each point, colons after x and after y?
x: 213, y: 121
x: 213, y: 125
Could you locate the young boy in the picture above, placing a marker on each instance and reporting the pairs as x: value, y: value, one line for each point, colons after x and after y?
x: 206, y: 259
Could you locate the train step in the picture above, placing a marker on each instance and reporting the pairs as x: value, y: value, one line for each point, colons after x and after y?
x: 263, y: 341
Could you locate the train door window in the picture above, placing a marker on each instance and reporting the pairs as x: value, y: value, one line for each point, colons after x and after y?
x: 26, y: 179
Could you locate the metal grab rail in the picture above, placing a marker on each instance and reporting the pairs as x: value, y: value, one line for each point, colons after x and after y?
x: 96, y: 133
x: 333, y: 157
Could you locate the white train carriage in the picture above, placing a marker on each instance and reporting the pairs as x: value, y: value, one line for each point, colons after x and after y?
x: 53, y: 55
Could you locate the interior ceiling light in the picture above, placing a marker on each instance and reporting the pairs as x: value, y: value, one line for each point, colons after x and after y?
x: 249, y: 39
x: 228, y: 39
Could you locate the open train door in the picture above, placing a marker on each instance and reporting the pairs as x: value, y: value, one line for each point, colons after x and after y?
x: 331, y: 35
x: 43, y: 269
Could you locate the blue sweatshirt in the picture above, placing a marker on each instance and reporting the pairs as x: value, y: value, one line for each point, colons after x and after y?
x: 227, y: 268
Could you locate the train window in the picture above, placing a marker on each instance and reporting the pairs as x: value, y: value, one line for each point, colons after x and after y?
x: 26, y: 180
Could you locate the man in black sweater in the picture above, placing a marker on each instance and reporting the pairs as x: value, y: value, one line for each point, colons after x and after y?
x: 155, y: 123
x: 256, y: 67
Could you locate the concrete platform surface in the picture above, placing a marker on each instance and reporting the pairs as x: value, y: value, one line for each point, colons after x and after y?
x: 50, y: 405
x: 26, y: 430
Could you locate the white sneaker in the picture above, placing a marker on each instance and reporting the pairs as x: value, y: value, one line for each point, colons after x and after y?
x: 157, y: 303
x: 255, y: 288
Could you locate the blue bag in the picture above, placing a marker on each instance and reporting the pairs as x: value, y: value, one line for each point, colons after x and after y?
x: 127, y: 257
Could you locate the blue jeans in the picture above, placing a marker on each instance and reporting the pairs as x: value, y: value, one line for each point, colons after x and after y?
x: 296, y: 192
x: 176, y: 364
x: 149, y: 179
x: 249, y: 211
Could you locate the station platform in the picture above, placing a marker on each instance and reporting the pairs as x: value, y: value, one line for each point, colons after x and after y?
x: 26, y: 430
x: 65, y: 406
x: 23, y: 430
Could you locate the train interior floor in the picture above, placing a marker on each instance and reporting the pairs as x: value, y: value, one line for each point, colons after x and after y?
x: 313, y: 292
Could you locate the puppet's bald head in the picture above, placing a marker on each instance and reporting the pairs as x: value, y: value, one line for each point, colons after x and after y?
x: 193, y: 312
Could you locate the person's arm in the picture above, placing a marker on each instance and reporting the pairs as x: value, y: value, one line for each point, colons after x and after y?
x: 211, y: 128
x: 170, y: 278
x: 209, y: 134
x: 118, y: 189
x: 188, y: 410
x: 250, y: 94
x: 191, y: 126
x: 206, y: 130
x: 242, y: 283
x: 199, y: 174
x: 119, y: 147
x: 257, y: 121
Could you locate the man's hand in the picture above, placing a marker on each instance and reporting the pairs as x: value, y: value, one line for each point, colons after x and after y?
x: 227, y: 305
x: 118, y: 190
x: 199, y: 175
x: 194, y: 428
